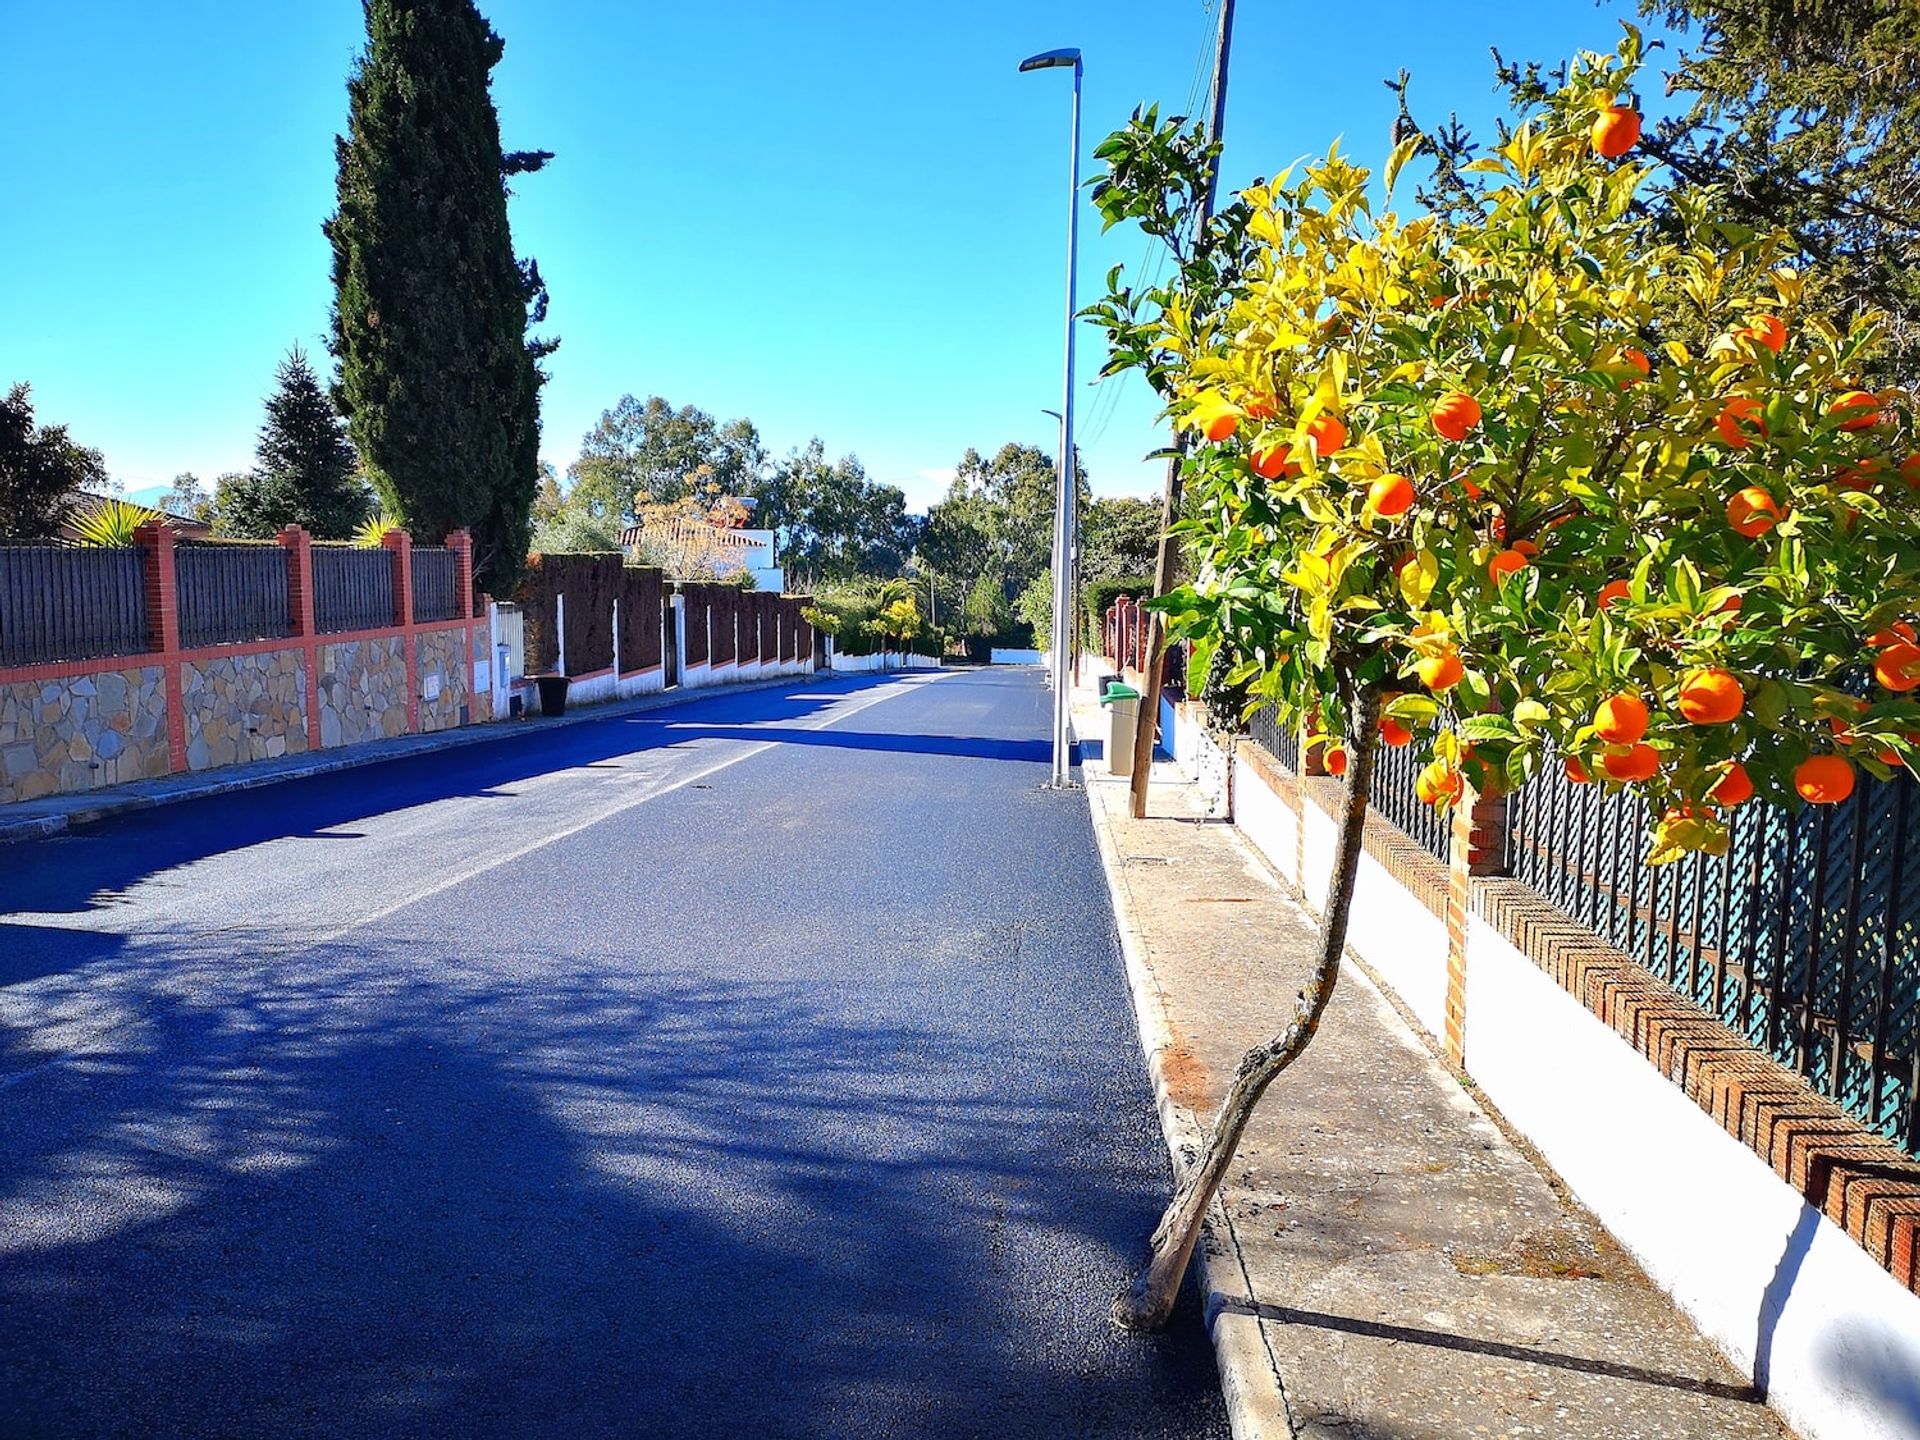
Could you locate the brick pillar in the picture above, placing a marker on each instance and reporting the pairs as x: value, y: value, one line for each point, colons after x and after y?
x: 460, y: 542
x: 300, y: 610
x: 163, y: 631
x: 399, y: 545
x: 1479, y: 848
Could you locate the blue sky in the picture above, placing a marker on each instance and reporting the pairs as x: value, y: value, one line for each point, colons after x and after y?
x: 843, y: 219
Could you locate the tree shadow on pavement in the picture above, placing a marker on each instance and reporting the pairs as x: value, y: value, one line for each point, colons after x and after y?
x: 340, y: 1194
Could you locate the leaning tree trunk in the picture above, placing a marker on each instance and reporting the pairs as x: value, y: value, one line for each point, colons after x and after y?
x: 1148, y: 1301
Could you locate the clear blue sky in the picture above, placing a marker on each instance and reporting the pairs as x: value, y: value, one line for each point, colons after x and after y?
x: 844, y: 219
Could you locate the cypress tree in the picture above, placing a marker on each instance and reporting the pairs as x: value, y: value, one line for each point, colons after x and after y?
x: 305, y: 473
x: 439, y: 378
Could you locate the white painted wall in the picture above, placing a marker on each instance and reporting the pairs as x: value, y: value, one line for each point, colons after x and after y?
x: 1709, y: 1220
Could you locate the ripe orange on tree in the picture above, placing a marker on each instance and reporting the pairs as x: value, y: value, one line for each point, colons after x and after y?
x: 1894, y: 634
x: 1629, y: 763
x: 1217, y: 417
x: 1739, y: 422
x: 1824, y: 779
x: 1612, y: 593
x: 1615, y: 131
x: 1733, y: 788
x: 1336, y: 760
x: 1328, y: 434
x: 1897, y: 667
x: 1621, y: 719
x: 1576, y: 771
x: 1506, y: 563
x: 1711, y: 697
x: 1456, y: 415
x: 1752, y: 512
x: 1272, y: 461
x: 1390, y: 495
x: 1767, y: 330
x: 1856, y: 410
x: 1440, y: 672
x: 1438, y: 784
x: 1393, y: 733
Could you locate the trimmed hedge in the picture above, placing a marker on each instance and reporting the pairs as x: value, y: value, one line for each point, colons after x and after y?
x: 1099, y: 597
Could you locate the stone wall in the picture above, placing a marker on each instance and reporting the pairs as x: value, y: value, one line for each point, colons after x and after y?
x: 363, y: 690
x: 244, y: 707
x: 442, y: 654
x: 81, y: 733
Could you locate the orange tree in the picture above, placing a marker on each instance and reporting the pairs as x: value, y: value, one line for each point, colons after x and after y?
x: 1522, y: 481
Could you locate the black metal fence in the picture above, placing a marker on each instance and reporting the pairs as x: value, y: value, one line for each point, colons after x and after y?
x: 435, y: 581
x: 230, y: 593
x: 1394, y: 773
x: 1282, y: 744
x: 1805, y: 937
x: 61, y: 602
x: 352, y: 588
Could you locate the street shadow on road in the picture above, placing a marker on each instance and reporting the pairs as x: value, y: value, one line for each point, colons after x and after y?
x: 342, y: 1194
x: 91, y: 866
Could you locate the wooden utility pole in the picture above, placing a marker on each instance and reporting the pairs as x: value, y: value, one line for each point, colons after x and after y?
x: 1146, y: 732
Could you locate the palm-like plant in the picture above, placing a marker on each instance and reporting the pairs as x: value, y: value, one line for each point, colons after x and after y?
x: 112, y: 523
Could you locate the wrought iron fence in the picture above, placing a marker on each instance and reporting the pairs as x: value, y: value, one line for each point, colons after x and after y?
x: 65, y: 602
x: 1805, y: 937
x: 435, y: 579
x: 226, y: 593
x: 1394, y: 771
x: 352, y: 588
x: 1282, y: 744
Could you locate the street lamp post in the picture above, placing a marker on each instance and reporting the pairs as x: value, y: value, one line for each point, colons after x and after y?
x: 1064, y: 499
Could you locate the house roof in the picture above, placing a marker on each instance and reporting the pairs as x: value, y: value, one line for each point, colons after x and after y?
x: 88, y: 502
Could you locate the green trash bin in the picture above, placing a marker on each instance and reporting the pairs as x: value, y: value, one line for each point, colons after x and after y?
x: 1124, y: 701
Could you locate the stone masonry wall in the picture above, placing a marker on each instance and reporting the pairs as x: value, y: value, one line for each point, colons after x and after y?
x: 60, y: 736
x: 363, y: 690
x: 442, y: 653
x: 244, y: 707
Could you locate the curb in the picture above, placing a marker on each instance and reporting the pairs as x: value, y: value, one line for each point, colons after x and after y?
x: 1249, y: 1379
x: 108, y: 804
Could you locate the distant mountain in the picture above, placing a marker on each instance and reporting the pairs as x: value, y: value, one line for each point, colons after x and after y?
x: 148, y: 495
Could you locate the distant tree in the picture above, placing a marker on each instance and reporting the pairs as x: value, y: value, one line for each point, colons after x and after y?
x: 40, y: 469
x: 439, y: 378
x: 187, y: 496
x: 1035, y: 606
x: 648, y: 452
x: 997, y: 517
x: 1119, y: 536
x: 305, y: 472
x: 986, y: 612
x: 574, y: 532
x: 831, y: 521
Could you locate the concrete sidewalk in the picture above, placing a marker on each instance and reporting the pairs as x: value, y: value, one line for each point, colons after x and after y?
x: 1384, y: 1263
x: 55, y: 814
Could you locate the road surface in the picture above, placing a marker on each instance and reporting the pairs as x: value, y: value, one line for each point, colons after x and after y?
x: 758, y: 1066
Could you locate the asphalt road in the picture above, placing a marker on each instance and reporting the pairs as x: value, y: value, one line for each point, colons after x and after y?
x: 760, y: 1066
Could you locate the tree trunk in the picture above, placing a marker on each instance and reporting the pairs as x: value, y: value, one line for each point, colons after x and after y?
x: 1148, y: 1301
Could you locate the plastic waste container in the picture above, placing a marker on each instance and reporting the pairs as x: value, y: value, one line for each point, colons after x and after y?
x: 553, y: 693
x: 1124, y: 703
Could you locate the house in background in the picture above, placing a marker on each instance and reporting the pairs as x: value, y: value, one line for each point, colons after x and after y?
x: 718, y: 539
x: 88, y: 502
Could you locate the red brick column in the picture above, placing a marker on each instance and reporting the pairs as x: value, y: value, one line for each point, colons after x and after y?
x: 460, y: 542
x: 163, y: 631
x: 1479, y: 848
x: 300, y: 609
x: 400, y: 545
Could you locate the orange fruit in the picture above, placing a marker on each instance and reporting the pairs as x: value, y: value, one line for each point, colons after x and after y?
x: 1910, y: 471
x: 1739, y: 422
x: 1438, y: 784
x: 1729, y: 606
x: 1456, y: 415
x: 1733, y: 788
x: 1636, y: 359
x: 1261, y: 407
x: 1526, y: 548
x: 1895, y: 633
x: 1629, y: 763
x: 1440, y: 672
x: 1621, y: 719
x: 1861, y: 476
x: 1898, y: 666
x: 1615, y: 132
x: 1390, y: 495
x: 1336, y: 760
x: 1612, y: 593
x: 1577, y: 772
x: 1767, y: 330
x: 1217, y: 417
x: 1393, y: 733
x: 1824, y: 779
x: 1711, y: 697
x: 1506, y: 563
x: 1752, y: 512
x: 1270, y: 462
x: 1328, y: 434
x: 1855, y: 410
x: 1474, y: 492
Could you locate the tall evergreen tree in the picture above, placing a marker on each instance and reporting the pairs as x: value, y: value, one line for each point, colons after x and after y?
x: 439, y: 378
x: 305, y: 473
x: 40, y: 469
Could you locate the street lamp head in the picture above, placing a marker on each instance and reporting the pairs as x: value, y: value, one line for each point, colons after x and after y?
x: 1050, y: 59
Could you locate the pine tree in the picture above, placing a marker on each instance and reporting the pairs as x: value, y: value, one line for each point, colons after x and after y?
x: 306, y: 471
x: 438, y: 377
